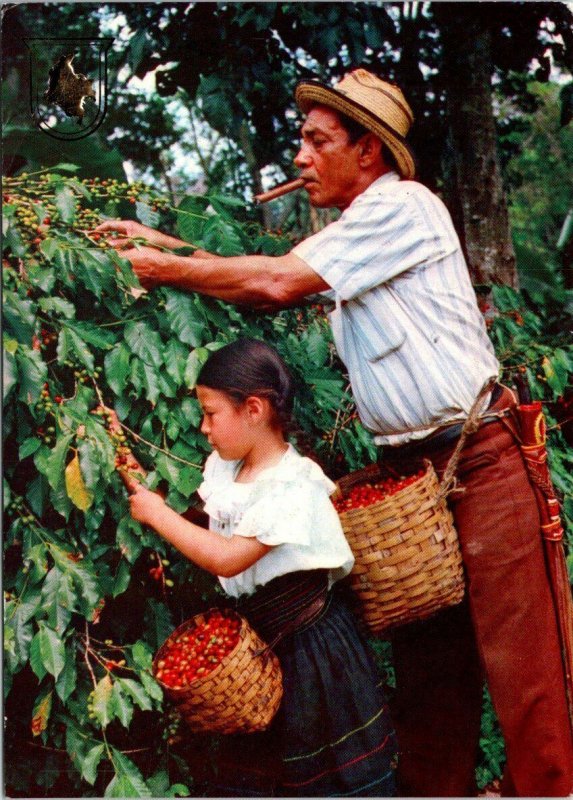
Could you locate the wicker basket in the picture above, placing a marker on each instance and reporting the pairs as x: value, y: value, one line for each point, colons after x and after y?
x: 240, y: 695
x: 408, y: 562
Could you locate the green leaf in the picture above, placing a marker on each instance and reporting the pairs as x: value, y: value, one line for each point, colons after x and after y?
x: 67, y: 679
x: 122, y: 578
x: 28, y: 447
x: 176, y: 355
x: 35, y: 561
x: 159, y: 624
x: 92, y: 458
x: 102, y: 700
x: 227, y: 200
x: 117, y: 367
x: 58, y: 599
x: 223, y: 237
x: 141, y: 655
x: 82, y: 575
x: 317, y: 348
x: 122, y: 706
x: 13, y: 241
x: 128, y: 780
x: 159, y: 783
x: 136, y: 692
x: 32, y: 372
x: 146, y: 215
x: 71, y: 346
x: 183, y: 317
x: 128, y: 542
x: 151, y: 686
x: 191, y: 218
x: 145, y: 380
x: 9, y: 374
x: 145, y: 343
x: 178, y: 790
x: 92, y: 334
x: 64, y: 168
x: 57, y: 306
x: 66, y: 203
x: 168, y: 468
x: 195, y: 361
x: 36, y: 661
x: 53, y: 466
x: 41, y: 277
x: 19, y: 317
x: 90, y: 763
x: 556, y: 373
x: 18, y: 616
x: 506, y: 298
x: 51, y: 649
x: 97, y: 271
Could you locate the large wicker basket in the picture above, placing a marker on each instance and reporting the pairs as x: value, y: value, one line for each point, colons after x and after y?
x: 408, y: 562
x: 240, y: 695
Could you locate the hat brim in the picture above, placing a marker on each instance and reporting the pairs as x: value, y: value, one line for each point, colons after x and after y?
x: 308, y: 93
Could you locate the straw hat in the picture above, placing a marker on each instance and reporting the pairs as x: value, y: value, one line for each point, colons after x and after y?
x: 378, y: 106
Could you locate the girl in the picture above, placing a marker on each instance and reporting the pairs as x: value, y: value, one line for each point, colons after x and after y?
x: 276, y: 544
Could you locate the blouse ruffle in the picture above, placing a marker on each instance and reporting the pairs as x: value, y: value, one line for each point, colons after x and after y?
x: 287, y: 507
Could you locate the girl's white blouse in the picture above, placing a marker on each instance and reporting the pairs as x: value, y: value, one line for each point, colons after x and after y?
x: 288, y: 507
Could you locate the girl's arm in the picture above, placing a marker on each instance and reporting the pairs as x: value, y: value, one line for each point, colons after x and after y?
x: 219, y: 556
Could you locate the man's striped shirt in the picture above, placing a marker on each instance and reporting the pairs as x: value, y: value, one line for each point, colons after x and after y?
x: 406, y: 322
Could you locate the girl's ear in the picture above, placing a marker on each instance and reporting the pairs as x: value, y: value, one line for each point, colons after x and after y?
x: 257, y: 407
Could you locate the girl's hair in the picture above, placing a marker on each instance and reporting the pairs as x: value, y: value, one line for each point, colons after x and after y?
x: 249, y: 367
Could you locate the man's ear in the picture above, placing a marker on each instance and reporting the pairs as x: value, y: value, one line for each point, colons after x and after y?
x: 370, y: 148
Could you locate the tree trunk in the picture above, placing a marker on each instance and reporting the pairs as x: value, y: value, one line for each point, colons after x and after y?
x: 250, y: 158
x: 474, y: 186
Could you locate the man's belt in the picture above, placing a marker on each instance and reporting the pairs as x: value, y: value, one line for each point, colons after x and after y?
x: 448, y: 434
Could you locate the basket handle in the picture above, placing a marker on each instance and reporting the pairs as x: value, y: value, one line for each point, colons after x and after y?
x: 471, y: 424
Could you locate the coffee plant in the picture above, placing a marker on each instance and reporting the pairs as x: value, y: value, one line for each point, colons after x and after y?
x: 90, y: 594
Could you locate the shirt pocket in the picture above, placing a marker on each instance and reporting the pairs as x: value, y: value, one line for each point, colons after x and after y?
x: 376, y: 335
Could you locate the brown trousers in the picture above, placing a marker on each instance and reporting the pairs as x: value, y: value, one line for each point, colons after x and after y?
x: 505, y: 631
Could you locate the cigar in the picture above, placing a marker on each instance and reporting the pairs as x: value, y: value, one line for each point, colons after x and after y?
x: 278, y: 191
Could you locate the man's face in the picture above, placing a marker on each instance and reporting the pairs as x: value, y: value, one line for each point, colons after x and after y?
x: 329, y: 163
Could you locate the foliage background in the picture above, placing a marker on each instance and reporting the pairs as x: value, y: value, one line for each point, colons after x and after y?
x: 83, y: 614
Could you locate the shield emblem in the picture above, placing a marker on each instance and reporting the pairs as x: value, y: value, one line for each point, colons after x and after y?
x: 68, y: 85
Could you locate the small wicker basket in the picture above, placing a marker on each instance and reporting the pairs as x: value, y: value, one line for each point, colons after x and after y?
x: 408, y: 562
x: 240, y: 695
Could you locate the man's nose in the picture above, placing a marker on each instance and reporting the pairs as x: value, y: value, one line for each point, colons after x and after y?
x: 302, y: 158
x: 204, y: 427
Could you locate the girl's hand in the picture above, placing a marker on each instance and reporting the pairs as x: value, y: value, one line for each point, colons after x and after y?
x: 129, y: 468
x: 146, y: 506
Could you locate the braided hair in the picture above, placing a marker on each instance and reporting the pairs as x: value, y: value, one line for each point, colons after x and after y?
x: 247, y: 368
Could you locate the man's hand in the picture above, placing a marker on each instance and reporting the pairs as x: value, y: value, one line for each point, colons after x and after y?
x: 152, y: 267
x: 129, y: 230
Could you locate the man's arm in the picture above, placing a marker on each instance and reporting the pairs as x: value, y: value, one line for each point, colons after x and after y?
x: 257, y: 281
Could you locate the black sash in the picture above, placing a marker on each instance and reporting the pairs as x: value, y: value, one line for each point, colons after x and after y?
x: 285, y: 604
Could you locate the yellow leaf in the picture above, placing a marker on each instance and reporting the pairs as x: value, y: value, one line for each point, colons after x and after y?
x: 41, y: 713
x: 76, y: 487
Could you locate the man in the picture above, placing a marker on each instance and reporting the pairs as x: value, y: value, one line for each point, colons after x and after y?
x: 407, y: 326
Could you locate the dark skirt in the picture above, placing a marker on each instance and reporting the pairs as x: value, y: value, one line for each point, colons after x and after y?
x: 332, y: 735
